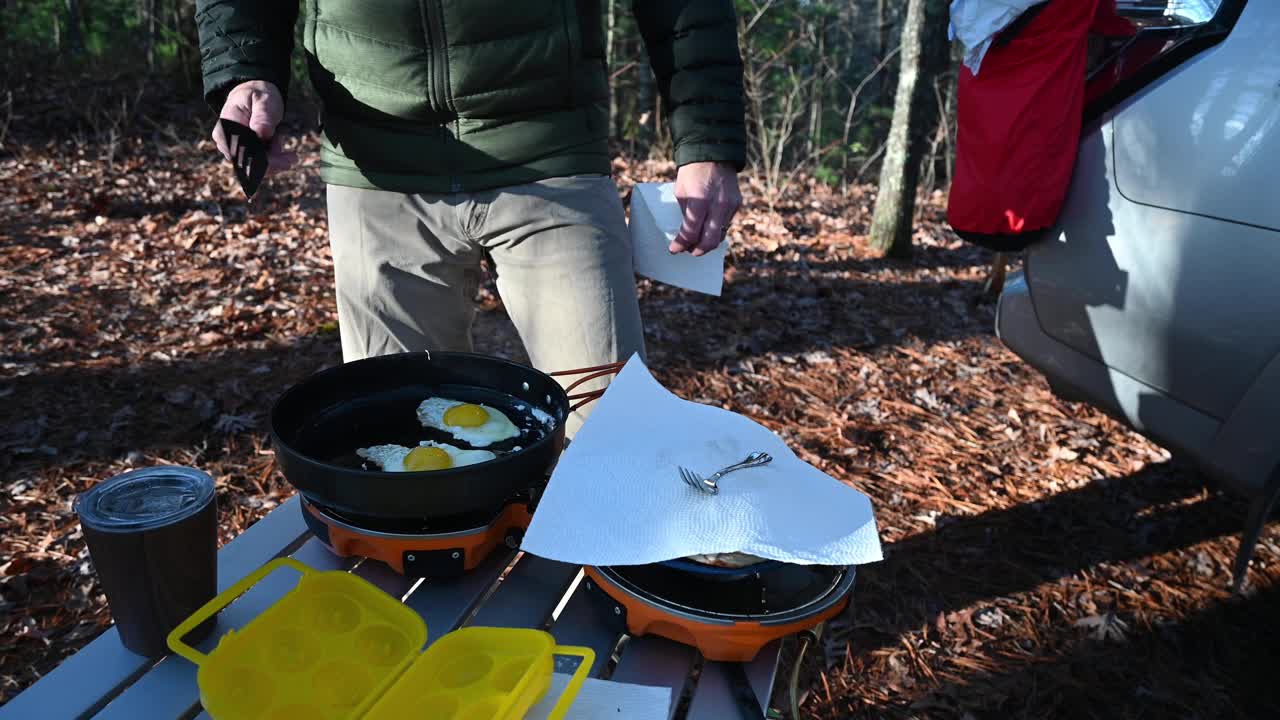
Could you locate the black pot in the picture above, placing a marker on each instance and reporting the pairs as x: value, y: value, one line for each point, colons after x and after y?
x: 778, y: 594
x: 317, y: 425
x: 713, y: 572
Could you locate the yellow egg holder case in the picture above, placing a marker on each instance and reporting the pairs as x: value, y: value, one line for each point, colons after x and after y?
x: 479, y: 673
x: 336, y: 647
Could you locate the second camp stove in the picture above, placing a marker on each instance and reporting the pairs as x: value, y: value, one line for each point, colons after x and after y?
x: 728, y: 615
x: 443, y: 547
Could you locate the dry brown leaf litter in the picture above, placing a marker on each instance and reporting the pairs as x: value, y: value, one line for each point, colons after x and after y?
x: 1041, y: 561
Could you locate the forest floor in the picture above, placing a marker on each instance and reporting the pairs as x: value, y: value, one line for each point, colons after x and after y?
x: 1041, y: 561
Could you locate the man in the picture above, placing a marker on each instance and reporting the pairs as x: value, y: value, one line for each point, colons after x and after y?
x: 453, y: 130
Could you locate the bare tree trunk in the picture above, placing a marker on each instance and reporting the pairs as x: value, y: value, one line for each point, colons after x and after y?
x: 850, y: 40
x: 610, y: 27
x: 924, y: 52
x: 150, y: 8
x: 882, y: 43
x: 183, y: 54
x: 84, y: 11
x: 5, y: 7
x: 658, y: 140
x: 75, y: 39
x: 940, y: 147
x: 644, y: 104
x: 757, y: 133
x: 814, y: 139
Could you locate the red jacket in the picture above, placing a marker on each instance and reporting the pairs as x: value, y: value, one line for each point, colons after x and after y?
x: 1018, y: 121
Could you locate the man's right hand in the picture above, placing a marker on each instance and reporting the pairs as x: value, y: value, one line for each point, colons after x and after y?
x: 258, y: 105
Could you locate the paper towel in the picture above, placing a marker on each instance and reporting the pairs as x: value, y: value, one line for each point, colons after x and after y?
x: 605, y: 700
x: 616, y: 498
x: 655, y: 222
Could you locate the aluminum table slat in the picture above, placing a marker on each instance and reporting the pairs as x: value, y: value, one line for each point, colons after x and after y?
x: 80, y: 685
x: 528, y: 594
x: 580, y: 623
x: 714, y: 697
x: 656, y: 661
x: 384, y: 578
x: 446, y: 604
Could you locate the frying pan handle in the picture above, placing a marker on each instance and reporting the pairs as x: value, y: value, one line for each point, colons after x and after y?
x: 224, y: 599
x: 590, y: 373
x: 575, y: 683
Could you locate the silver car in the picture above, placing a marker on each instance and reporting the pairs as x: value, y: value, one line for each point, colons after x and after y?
x: 1157, y: 298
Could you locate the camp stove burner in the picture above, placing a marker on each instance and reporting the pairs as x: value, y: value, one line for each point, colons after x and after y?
x: 415, y: 547
x: 728, y: 619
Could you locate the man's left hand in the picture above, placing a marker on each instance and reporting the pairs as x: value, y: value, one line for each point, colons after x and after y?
x: 709, y: 197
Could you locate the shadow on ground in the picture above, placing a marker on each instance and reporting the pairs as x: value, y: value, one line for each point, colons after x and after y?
x: 1197, y: 668
x: 974, y: 574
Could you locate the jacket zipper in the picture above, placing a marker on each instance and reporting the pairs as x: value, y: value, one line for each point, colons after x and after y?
x: 570, y: 16
x: 438, y: 59
x: 439, y: 56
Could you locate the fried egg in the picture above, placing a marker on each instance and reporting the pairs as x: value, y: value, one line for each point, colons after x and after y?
x: 478, y: 425
x: 427, y: 456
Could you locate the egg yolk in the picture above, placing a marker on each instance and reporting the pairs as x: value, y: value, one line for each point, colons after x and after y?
x: 466, y: 416
x: 427, y: 458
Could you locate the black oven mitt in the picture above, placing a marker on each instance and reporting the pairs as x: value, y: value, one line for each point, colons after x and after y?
x: 248, y: 155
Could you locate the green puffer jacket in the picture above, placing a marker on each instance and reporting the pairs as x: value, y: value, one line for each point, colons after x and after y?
x: 465, y: 95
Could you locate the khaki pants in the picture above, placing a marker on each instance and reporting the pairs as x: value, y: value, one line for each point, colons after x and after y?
x: 408, y: 267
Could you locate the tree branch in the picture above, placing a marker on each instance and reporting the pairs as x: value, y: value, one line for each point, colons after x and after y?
x: 853, y: 99
x: 760, y: 11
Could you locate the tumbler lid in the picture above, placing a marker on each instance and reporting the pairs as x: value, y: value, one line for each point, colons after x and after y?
x: 145, y: 499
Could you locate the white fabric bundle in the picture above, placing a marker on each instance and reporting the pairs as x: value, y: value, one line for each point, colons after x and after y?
x: 975, y: 23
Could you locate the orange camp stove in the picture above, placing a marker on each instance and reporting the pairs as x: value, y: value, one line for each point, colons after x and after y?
x: 435, y: 548
x: 727, y: 614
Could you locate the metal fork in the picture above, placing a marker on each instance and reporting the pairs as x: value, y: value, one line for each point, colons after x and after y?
x: 709, y: 485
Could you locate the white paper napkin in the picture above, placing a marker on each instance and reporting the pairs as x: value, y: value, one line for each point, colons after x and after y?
x: 605, y: 700
x: 615, y: 497
x: 655, y: 222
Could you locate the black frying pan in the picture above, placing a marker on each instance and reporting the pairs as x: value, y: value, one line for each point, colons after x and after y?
x: 317, y: 425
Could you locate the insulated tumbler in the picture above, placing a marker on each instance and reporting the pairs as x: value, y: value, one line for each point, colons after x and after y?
x: 152, y: 536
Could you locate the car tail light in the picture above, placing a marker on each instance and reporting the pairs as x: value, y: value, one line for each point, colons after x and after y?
x: 1163, y: 35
